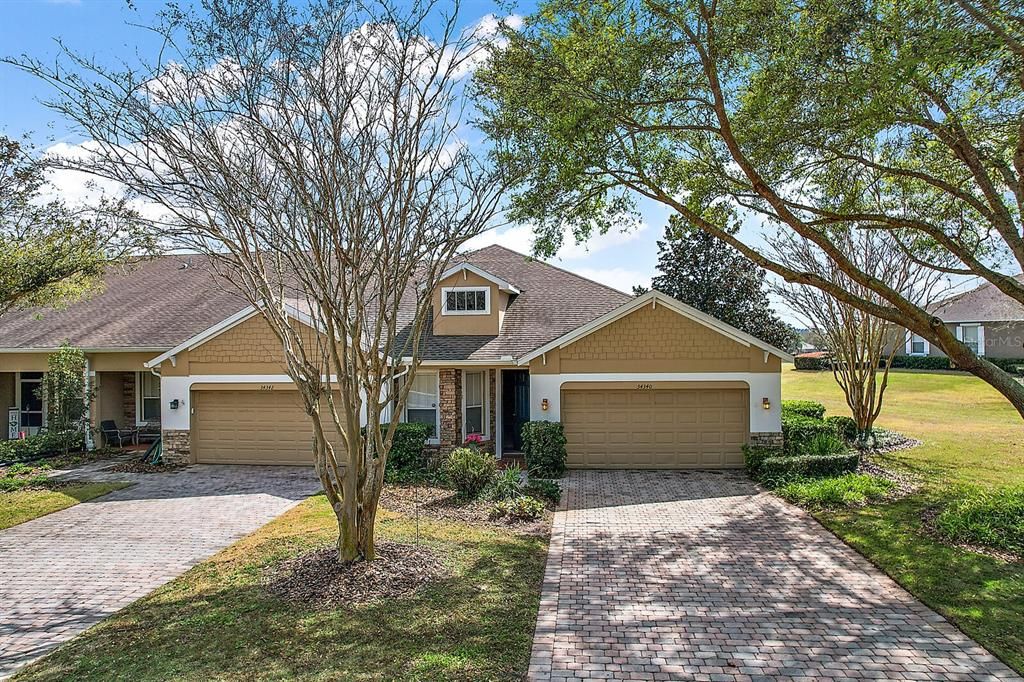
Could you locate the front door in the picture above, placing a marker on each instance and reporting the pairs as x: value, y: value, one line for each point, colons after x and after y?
x: 515, y: 407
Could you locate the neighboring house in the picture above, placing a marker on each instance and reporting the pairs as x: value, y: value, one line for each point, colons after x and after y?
x: 644, y: 382
x: 986, y: 319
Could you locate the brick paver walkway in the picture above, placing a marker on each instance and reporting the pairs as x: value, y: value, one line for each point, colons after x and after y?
x: 700, y: 576
x: 62, y: 573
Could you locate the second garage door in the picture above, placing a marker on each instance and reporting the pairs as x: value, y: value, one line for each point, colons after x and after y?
x: 251, y: 427
x: 672, y: 428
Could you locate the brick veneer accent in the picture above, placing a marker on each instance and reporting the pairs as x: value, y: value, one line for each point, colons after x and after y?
x: 450, y: 388
x: 492, y: 380
x: 128, y: 380
x: 766, y: 439
x: 177, y: 446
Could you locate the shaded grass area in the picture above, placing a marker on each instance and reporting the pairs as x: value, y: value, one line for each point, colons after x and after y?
x: 830, y: 493
x: 24, y: 505
x: 970, y: 435
x: 219, y: 622
x: 992, y: 517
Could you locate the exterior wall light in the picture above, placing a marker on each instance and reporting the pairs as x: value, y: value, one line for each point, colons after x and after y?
x: 766, y: 404
x: 544, y: 404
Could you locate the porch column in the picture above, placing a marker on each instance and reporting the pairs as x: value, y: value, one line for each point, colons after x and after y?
x: 450, y: 388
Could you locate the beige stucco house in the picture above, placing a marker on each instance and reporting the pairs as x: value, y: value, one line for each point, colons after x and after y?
x: 638, y: 382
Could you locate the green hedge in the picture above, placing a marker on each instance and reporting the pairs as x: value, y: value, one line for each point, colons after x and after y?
x: 41, y: 445
x: 844, y: 427
x: 754, y: 455
x: 920, y: 362
x: 406, y: 457
x: 544, y: 449
x: 775, y: 469
x: 811, y: 363
x: 806, y: 408
x: 798, y: 431
x: 941, y: 362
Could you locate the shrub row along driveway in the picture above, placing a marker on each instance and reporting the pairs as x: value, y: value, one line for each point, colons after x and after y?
x: 702, y: 576
x: 62, y: 573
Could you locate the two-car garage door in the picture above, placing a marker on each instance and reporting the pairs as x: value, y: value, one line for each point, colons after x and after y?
x: 250, y: 427
x: 648, y: 427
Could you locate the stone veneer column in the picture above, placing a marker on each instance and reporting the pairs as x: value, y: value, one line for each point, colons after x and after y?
x: 450, y: 385
x: 766, y: 439
x: 492, y: 389
x: 128, y: 398
x: 177, y: 446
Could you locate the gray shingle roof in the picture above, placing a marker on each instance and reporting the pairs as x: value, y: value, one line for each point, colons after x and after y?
x: 155, y: 304
x: 983, y: 304
x: 163, y: 302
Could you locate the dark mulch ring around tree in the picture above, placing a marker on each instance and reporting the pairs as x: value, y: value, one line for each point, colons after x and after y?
x: 890, y: 441
x: 444, y: 504
x: 317, y: 579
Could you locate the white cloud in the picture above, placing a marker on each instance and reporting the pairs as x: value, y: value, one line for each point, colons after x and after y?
x: 520, y: 238
x: 622, y: 279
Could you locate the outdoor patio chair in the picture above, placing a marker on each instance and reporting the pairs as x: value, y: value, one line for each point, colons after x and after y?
x: 113, y: 434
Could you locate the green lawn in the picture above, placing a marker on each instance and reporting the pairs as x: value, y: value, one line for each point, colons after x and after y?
x: 218, y: 621
x: 970, y: 435
x: 20, y: 506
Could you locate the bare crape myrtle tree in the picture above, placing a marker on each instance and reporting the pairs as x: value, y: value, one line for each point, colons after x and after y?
x: 316, y: 155
x: 861, y: 345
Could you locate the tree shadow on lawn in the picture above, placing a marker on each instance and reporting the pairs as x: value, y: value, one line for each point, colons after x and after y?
x: 217, y: 624
x: 982, y: 595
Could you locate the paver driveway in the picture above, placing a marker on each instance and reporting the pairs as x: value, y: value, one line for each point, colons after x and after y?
x: 700, y: 576
x: 62, y: 573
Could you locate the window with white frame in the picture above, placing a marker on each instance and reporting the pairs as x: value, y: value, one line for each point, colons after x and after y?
x: 474, y: 392
x: 917, y: 345
x: 973, y: 336
x: 466, y: 300
x: 147, y: 408
x: 422, y: 405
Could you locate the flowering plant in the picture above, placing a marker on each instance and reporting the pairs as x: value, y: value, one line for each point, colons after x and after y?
x: 474, y: 439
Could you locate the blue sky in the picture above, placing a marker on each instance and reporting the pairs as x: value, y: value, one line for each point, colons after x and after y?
x: 102, y: 28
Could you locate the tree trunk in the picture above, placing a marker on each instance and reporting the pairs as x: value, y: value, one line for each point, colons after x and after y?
x: 1000, y: 380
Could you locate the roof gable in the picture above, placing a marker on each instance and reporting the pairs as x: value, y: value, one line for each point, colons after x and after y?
x: 655, y: 298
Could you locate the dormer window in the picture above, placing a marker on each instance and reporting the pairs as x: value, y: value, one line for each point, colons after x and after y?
x: 466, y: 301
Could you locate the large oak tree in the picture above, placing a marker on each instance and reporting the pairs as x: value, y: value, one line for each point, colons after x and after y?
x: 900, y: 117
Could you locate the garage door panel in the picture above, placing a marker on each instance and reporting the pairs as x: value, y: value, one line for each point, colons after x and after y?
x: 661, y: 428
x: 251, y: 427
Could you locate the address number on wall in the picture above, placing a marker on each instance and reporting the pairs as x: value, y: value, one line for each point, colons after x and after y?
x: 645, y: 387
x: 266, y: 387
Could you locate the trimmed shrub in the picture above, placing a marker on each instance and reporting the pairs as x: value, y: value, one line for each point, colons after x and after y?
x: 843, y: 426
x: 841, y: 491
x: 798, y: 431
x: 825, y: 444
x: 518, y: 509
x: 470, y: 471
x: 815, y: 362
x: 544, y: 449
x: 508, y: 484
x: 543, y: 489
x: 987, y: 516
x: 805, y: 408
x: 1011, y: 365
x: 406, y: 460
x: 41, y: 445
x: 920, y: 362
x: 777, y: 470
x: 754, y: 455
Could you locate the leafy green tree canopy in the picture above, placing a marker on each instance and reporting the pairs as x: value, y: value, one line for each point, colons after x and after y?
x: 814, y: 117
x: 703, y: 271
x: 52, y: 253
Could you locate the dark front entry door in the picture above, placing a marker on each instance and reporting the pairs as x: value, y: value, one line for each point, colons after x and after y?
x: 515, y: 407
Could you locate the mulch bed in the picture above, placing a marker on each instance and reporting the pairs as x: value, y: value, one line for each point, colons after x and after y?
x: 891, y: 441
x: 318, y: 580
x: 443, y: 504
x: 928, y: 517
x: 904, y: 483
x: 137, y: 467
